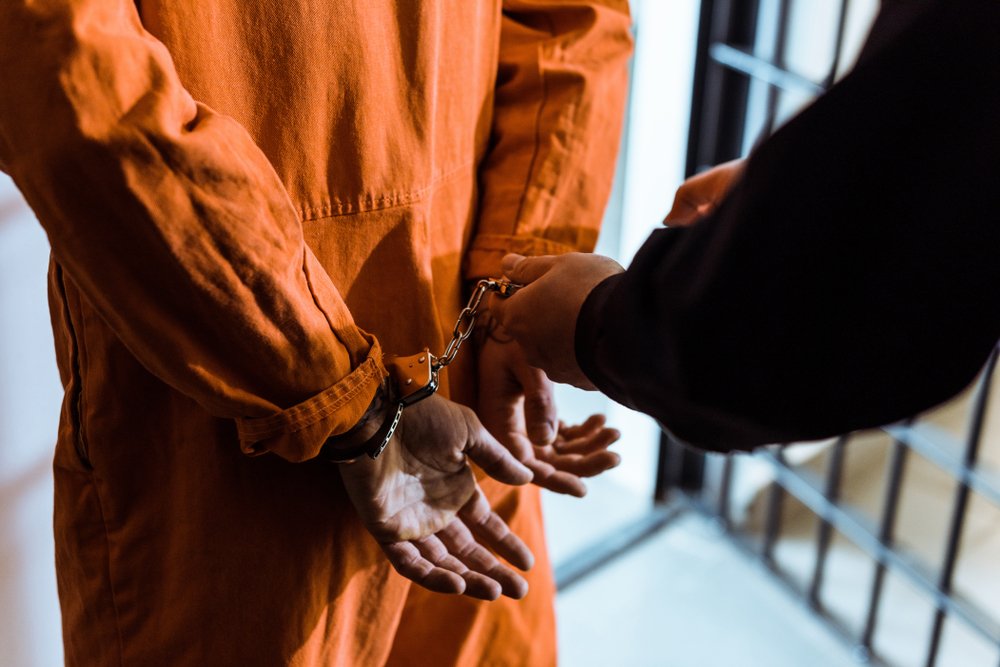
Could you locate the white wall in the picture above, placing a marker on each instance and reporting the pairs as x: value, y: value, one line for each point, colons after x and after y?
x: 651, y: 167
x: 654, y: 157
x: 29, y: 408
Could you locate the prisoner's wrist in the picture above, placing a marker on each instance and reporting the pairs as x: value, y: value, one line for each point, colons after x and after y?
x: 360, y: 439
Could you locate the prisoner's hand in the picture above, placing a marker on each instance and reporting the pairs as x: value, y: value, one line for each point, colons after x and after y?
x: 517, y: 406
x: 699, y: 195
x: 420, y: 501
x: 541, y: 316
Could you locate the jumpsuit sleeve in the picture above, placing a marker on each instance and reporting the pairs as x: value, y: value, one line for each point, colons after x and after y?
x: 175, y: 227
x: 557, y: 117
x: 850, y: 280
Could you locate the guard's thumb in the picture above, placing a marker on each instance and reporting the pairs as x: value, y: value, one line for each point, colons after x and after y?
x: 524, y: 270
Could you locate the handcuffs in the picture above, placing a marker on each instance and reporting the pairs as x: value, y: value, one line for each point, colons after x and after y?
x: 416, y: 377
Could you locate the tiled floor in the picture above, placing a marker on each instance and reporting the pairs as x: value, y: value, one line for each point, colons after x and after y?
x: 689, y: 598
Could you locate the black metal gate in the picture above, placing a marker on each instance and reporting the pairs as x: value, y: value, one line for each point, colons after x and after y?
x: 743, y: 78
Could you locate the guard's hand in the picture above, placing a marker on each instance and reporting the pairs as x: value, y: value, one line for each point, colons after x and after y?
x: 699, y: 195
x: 517, y: 406
x: 541, y: 316
x: 421, y: 503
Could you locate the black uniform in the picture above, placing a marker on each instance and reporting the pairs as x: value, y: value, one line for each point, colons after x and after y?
x: 852, y: 277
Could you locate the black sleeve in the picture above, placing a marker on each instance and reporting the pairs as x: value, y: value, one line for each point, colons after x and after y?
x: 851, y: 279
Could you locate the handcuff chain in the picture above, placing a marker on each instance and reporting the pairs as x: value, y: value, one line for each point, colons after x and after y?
x: 416, y: 377
x: 467, y: 318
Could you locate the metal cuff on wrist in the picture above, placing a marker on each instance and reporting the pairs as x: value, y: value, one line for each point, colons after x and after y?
x: 334, y: 450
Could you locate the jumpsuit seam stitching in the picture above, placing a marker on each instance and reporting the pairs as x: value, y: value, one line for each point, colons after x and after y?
x: 338, y: 208
x: 307, y: 274
x: 492, y: 242
x: 83, y: 362
x: 76, y: 408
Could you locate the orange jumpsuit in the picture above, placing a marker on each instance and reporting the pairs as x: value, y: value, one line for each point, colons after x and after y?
x: 247, y: 202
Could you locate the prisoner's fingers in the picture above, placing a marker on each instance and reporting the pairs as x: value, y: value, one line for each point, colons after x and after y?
x: 592, y: 424
x: 549, y: 477
x: 462, y: 544
x: 589, y: 465
x: 406, y: 558
x: 477, y: 584
x: 495, y: 459
x: 540, y: 420
x: 583, y: 440
x: 492, y: 531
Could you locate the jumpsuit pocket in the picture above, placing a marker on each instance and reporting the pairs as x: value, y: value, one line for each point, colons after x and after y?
x: 73, y: 400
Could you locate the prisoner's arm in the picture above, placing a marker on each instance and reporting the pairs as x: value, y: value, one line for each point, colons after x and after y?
x: 850, y: 280
x: 174, y: 225
x: 560, y: 97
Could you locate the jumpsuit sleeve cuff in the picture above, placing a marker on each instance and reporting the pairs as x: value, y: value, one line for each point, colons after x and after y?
x: 298, y: 433
x: 487, y: 250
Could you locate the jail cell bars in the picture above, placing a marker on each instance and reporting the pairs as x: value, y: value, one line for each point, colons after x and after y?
x: 877, y: 532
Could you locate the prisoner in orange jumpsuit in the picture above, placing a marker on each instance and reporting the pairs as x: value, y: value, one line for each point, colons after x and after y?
x: 248, y: 201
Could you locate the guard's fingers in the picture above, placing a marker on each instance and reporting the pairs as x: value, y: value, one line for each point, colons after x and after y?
x: 476, y: 584
x: 492, y: 531
x: 525, y: 270
x: 495, y: 459
x: 410, y: 563
x: 699, y: 195
x: 684, y: 211
x: 460, y: 542
x: 539, y: 405
x: 581, y: 466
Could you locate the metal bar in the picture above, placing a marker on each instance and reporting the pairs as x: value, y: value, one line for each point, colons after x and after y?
x: 698, y: 93
x: 834, y: 473
x: 778, y: 60
x: 677, y: 467
x: 772, y: 525
x: 943, y: 451
x: 684, y: 467
x: 838, y: 45
x: 855, y: 528
x: 661, y: 489
x: 791, y: 586
x: 611, y: 547
x: 716, y: 133
x: 751, y: 65
x: 886, y: 531
x: 725, y: 486
x: 961, y: 505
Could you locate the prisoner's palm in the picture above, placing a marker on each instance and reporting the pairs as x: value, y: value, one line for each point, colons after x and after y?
x: 420, y: 501
x: 516, y: 404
